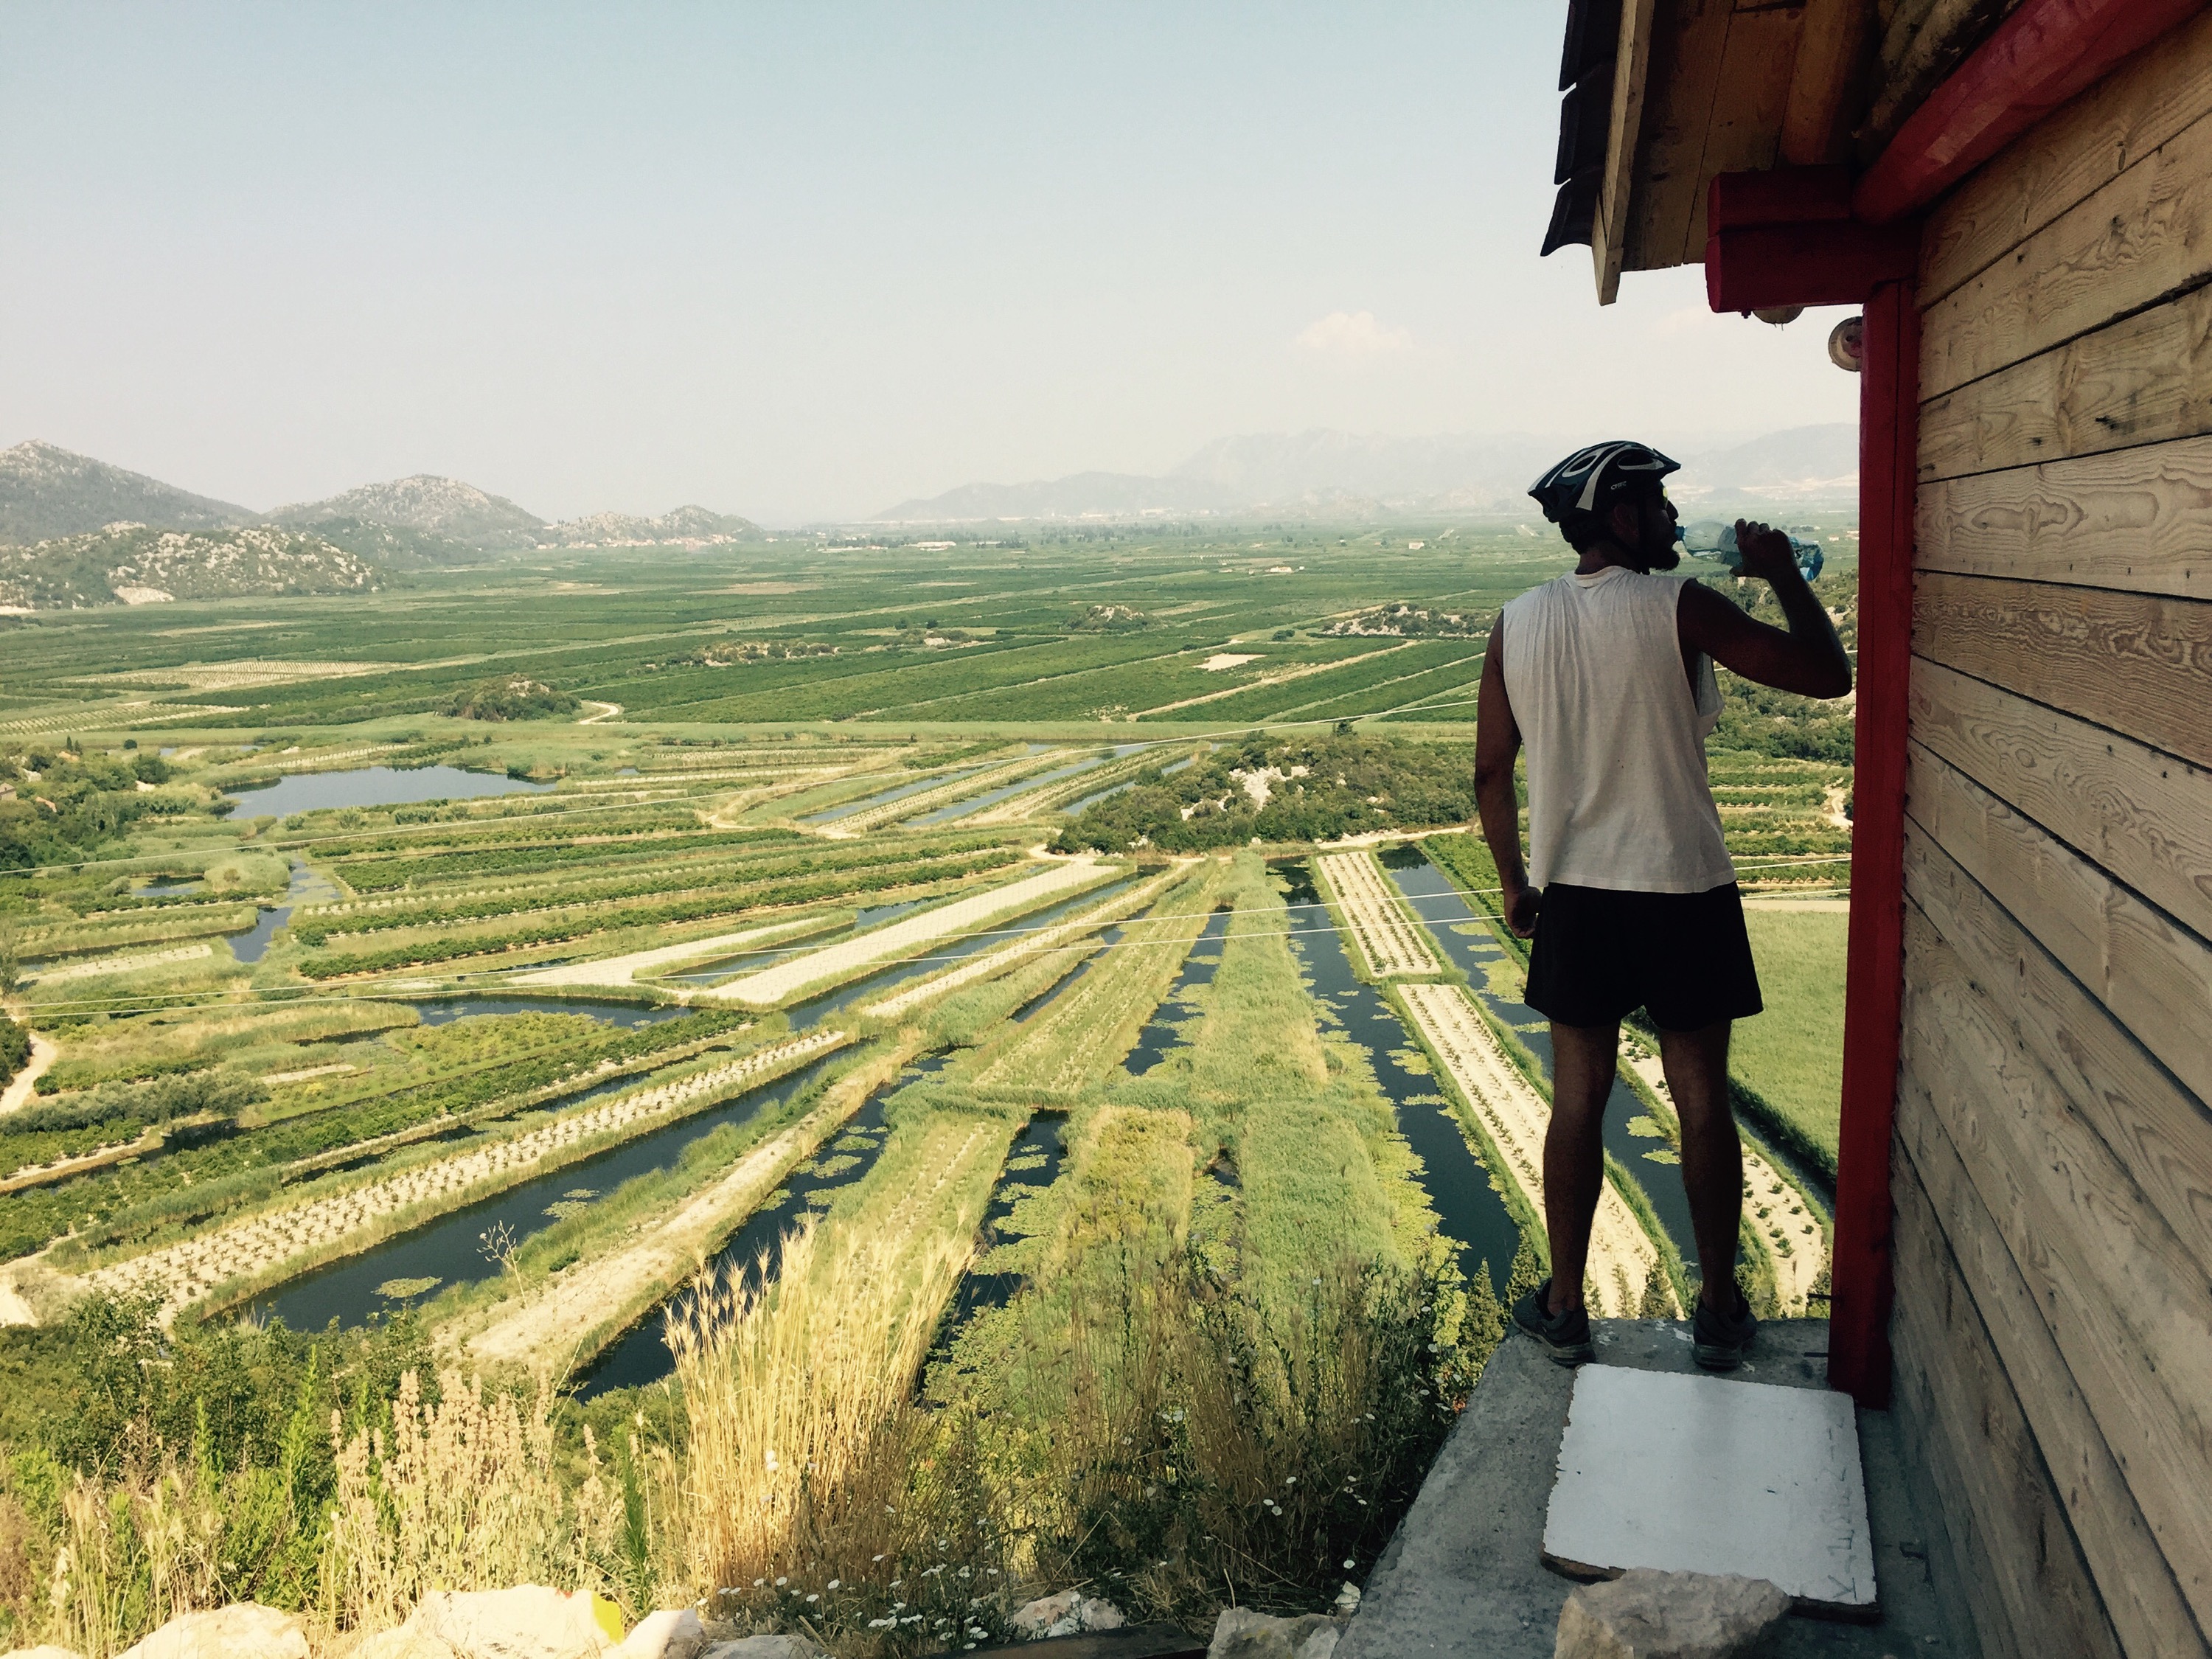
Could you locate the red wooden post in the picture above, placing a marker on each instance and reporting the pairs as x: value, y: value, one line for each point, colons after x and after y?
x: 1889, y: 426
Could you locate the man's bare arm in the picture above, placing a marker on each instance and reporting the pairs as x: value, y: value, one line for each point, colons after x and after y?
x: 1808, y: 659
x: 1497, y: 741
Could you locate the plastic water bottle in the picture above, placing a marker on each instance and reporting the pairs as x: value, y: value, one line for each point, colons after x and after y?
x: 1709, y: 539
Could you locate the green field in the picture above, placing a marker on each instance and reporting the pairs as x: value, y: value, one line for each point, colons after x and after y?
x: 890, y: 766
x: 1793, y: 1054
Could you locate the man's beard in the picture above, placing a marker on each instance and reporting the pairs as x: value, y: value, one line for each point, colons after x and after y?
x: 1665, y: 556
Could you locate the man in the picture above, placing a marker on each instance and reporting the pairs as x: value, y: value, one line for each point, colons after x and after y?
x: 1630, y: 896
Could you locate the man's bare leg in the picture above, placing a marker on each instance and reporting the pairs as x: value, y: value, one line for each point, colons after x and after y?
x: 1584, y: 1059
x: 1712, y: 1156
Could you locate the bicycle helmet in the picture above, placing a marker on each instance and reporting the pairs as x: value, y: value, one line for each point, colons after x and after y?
x: 1591, y: 480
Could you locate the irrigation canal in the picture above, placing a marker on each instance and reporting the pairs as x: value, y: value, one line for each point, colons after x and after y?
x: 642, y: 1355
x: 1469, y: 1210
x: 1164, y: 1029
x: 450, y: 1250
x: 1032, y: 1165
x: 1469, y: 945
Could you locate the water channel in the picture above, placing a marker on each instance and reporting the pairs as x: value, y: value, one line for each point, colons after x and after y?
x: 1032, y: 1165
x: 305, y: 887
x: 961, y: 809
x: 1165, y: 1028
x: 1469, y: 945
x: 846, y: 809
x: 374, y: 785
x: 641, y: 1354
x: 450, y: 1250
x: 447, y: 1250
x: 1469, y: 1209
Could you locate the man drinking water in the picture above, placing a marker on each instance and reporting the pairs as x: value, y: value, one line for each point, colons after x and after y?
x: 1606, y: 675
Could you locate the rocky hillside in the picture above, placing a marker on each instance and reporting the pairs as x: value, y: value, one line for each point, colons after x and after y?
x: 443, y: 506
x: 134, y: 564
x: 46, y: 492
x: 686, y: 526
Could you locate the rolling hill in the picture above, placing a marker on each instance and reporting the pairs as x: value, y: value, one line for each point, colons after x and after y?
x: 46, y: 491
x: 425, y: 501
x: 137, y: 564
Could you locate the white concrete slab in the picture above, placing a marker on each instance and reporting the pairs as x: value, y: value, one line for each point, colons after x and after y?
x: 1698, y: 1474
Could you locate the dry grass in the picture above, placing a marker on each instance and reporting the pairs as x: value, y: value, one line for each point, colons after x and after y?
x: 808, y: 1460
x: 462, y: 1494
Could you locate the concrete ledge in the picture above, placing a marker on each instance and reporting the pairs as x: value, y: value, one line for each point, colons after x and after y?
x: 1464, y: 1574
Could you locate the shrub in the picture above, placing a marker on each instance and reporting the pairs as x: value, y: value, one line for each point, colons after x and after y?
x: 511, y: 697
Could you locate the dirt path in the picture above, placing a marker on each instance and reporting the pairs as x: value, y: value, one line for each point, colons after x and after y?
x: 608, y: 711
x: 624, y: 970
x: 1796, y: 1273
x: 1382, y: 922
x: 182, y: 1273
x: 773, y: 985
x: 1622, y: 1255
x: 25, y: 1082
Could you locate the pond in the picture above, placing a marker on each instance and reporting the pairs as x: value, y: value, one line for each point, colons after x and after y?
x: 1470, y: 946
x: 374, y: 785
x: 1469, y: 1209
x: 450, y: 1250
x: 640, y: 1355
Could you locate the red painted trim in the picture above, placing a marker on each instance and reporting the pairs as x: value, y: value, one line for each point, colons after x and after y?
x: 1824, y: 262
x: 2039, y: 57
x: 1779, y: 196
x: 1889, y: 428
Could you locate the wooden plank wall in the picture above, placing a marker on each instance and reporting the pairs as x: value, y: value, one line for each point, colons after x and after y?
x: 2052, y: 1166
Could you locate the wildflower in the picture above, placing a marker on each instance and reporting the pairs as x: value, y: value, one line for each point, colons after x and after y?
x: 879, y: 1558
x: 1347, y: 1565
x: 780, y: 1583
x: 834, y: 1582
x: 816, y: 1596
x: 757, y: 1583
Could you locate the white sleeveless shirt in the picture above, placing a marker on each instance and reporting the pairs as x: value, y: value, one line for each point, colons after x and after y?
x: 1618, y: 796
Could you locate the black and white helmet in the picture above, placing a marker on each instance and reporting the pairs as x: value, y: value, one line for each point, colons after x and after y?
x: 1591, y: 480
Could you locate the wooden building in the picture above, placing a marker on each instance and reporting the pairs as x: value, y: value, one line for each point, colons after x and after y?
x: 2019, y: 194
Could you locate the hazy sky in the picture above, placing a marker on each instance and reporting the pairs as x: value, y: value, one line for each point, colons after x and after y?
x: 806, y: 260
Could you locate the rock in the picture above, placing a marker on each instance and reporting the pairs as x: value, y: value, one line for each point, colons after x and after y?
x: 246, y: 1630
x: 44, y: 1650
x: 1240, y: 1633
x: 765, y: 1647
x: 527, y: 1622
x: 671, y: 1633
x: 1646, y: 1614
x: 1065, y: 1614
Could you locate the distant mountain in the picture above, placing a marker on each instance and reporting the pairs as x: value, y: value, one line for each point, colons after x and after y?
x: 1448, y: 472
x: 136, y: 564
x: 396, y: 548
x: 686, y: 526
x: 1327, y: 474
x: 1083, y: 495
x: 46, y: 491
x: 444, y: 506
x: 1803, y: 466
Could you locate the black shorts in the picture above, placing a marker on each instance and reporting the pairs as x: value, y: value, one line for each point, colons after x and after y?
x: 1682, y: 957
